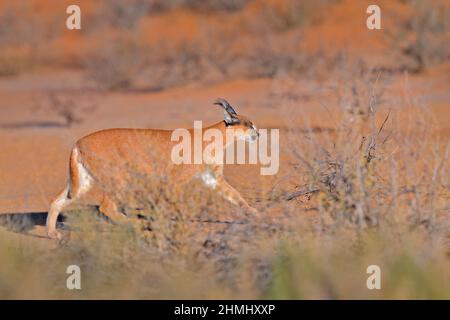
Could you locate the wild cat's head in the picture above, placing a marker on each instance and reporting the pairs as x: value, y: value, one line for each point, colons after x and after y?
x: 243, y: 128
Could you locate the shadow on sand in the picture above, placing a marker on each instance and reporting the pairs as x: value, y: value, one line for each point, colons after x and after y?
x: 25, y: 222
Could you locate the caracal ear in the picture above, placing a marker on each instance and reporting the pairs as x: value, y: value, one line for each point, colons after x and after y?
x: 229, y: 115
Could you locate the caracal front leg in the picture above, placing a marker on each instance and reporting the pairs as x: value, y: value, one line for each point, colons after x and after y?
x: 232, y: 195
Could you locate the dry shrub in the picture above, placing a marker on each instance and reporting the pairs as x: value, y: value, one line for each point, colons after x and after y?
x: 216, y: 5
x: 119, y: 60
x: 183, y: 65
x: 125, y: 14
x: 24, y: 37
x: 13, y: 62
x: 16, y: 47
x: 288, y: 14
x: 71, y: 108
x: 370, y: 169
x: 431, y: 27
x: 424, y: 35
x: 198, y: 5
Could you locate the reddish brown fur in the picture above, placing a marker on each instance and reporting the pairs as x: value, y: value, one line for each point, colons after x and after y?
x: 108, y: 155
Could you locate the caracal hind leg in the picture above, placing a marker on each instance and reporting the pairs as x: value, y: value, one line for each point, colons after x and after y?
x: 109, y: 208
x: 79, y: 186
x: 56, y: 207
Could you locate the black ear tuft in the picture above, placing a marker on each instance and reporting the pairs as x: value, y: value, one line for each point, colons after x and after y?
x: 226, y: 106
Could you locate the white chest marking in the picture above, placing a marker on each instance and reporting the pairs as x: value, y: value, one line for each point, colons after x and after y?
x: 209, y: 179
